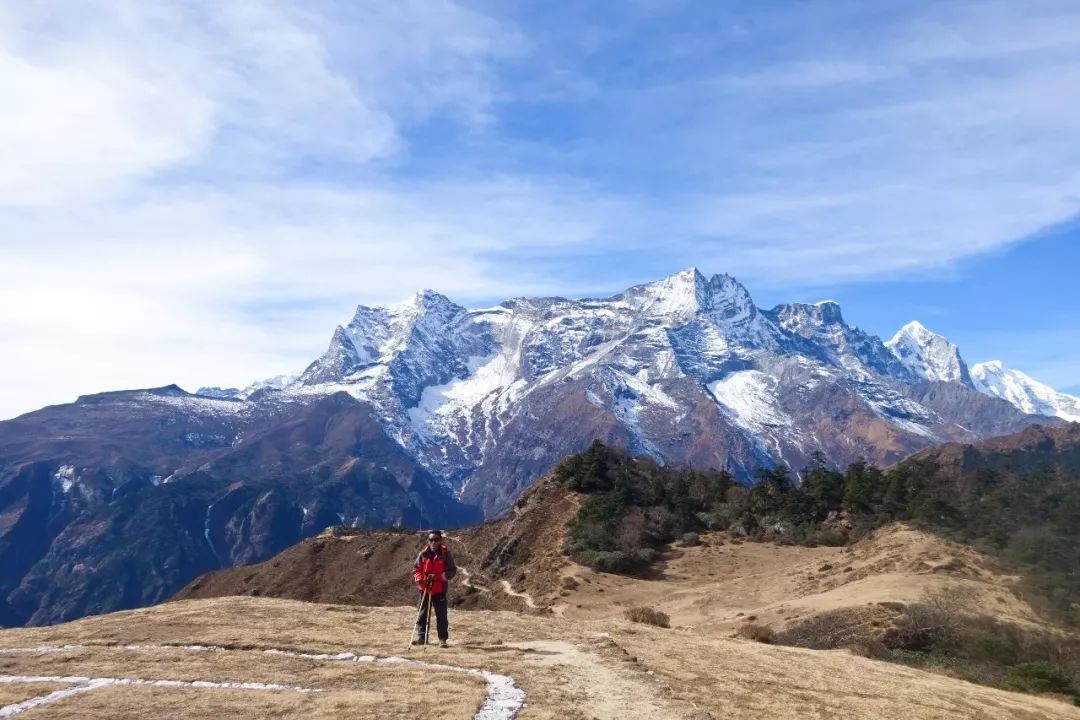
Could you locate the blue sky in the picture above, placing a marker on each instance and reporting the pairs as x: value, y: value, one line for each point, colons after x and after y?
x: 198, y: 192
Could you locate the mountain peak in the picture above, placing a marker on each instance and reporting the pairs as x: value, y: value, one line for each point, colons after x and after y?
x: 688, y: 294
x: 428, y: 297
x: 929, y: 355
x: 994, y: 378
x: 918, y: 332
x: 680, y: 296
x: 801, y: 317
x: 686, y: 281
x: 830, y: 311
x: 917, y: 329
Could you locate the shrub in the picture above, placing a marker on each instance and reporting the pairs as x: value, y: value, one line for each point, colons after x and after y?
x: 690, y: 539
x: 937, y: 623
x: 757, y: 633
x: 939, y: 634
x: 844, y: 628
x: 827, y: 537
x: 922, y: 628
x: 647, y: 615
x: 1040, y: 677
x: 615, y: 561
x: 718, y: 519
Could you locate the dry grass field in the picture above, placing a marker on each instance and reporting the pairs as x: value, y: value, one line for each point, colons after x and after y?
x: 714, y: 587
x: 567, y: 667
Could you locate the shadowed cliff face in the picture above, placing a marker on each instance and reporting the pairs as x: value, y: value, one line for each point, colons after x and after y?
x: 118, y: 500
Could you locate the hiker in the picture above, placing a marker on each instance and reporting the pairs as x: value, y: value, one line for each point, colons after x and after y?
x: 433, y: 569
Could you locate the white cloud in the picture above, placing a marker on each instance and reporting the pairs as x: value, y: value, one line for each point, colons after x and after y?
x: 110, y: 92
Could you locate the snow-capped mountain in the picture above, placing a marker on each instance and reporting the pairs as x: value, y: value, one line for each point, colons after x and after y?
x: 686, y: 369
x: 928, y: 355
x: 1031, y: 396
x: 934, y: 358
x: 426, y: 413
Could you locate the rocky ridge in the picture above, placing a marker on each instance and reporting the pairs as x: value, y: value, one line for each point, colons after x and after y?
x: 686, y: 369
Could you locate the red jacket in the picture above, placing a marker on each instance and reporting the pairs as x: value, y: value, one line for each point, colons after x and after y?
x: 435, y: 564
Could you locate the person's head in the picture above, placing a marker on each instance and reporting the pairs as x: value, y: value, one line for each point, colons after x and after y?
x: 434, y: 539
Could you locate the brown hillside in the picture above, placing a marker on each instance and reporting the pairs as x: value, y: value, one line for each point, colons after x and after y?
x: 1058, y: 445
x: 715, y: 587
x: 518, y: 554
x: 516, y: 564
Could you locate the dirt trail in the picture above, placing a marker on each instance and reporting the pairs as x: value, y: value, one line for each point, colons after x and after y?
x: 529, y: 602
x: 606, y: 692
x: 505, y: 585
x: 466, y: 580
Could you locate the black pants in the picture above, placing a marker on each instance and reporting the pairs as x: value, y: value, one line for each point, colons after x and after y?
x: 438, y: 604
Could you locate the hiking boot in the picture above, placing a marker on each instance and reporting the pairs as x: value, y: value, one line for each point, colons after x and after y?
x: 443, y: 643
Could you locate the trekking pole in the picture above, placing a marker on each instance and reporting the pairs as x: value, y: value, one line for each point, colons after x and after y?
x: 419, y: 610
x: 427, y: 625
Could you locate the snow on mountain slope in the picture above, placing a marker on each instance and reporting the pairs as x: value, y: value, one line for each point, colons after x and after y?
x: 278, y: 382
x: 1031, y: 396
x: 686, y: 369
x: 837, y: 343
x: 929, y: 355
x: 750, y: 397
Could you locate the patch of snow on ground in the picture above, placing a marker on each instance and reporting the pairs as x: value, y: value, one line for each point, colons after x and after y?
x: 627, y: 407
x: 278, y: 382
x: 902, y: 412
x: 649, y: 393
x: 199, y: 404
x: 66, y: 477
x: 502, y: 701
x: 486, y: 375
x: 749, y: 398
x: 359, y: 385
x: 594, y: 356
x: 817, y: 373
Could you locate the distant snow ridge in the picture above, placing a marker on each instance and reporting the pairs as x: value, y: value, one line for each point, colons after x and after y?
x: 929, y: 355
x: 219, y: 393
x: 686, y: 365
x: 278, y: 382
x: 1031, y: 396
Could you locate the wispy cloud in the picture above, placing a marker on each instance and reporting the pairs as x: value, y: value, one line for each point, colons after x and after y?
x: 114, y: 93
